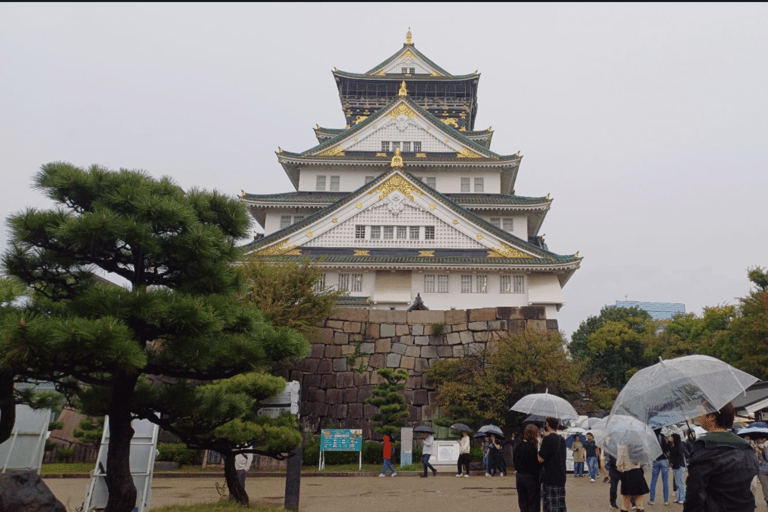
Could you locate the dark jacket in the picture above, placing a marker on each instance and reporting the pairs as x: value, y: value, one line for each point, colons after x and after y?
x: 676, y: 453
x: 720, y: 471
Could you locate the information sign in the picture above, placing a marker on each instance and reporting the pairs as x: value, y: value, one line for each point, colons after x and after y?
x: 286, y: 401
x: 340, y: 440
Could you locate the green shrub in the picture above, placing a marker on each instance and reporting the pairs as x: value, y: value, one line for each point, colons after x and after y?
x: 64, y: 454
x: 176, y: 452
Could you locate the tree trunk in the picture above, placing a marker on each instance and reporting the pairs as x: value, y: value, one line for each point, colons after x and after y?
x: 236, y: 491
x: 7, y: 405
x: 122, y: 491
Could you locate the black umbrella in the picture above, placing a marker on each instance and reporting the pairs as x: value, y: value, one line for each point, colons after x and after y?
x: 461, y: 426
x: 424, y: 428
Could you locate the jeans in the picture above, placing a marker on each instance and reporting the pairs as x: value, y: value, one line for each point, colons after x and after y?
x: 663, y: 466
x: 592, y: 465
x: 387, y: 464
x: 425, y: 462
x: 485, y: 462
x: 679, y: 474
x: 578, y: 469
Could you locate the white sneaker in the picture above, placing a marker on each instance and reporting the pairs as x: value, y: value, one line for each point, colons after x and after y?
x: 466, y: 476
x: 501, y: 474
x: 591, y: 479
x: 393, y: 473
x: 458, y: 476
x: 382, y: 474
x: 487, y: 474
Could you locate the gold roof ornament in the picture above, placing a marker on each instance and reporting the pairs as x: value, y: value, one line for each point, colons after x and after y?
x: 547, y: 197
x: 517, y: 154
x: 408, y: 39
x: 397, y: 160
x: 403, y: 91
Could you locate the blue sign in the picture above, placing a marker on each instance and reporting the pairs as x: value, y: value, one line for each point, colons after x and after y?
x: 341, y: 440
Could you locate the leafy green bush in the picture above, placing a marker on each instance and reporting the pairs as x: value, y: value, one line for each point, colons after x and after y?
x: 64, y: 454
x: 176, y: 452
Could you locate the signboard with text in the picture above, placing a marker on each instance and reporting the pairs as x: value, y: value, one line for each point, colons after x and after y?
x: 341, y: 440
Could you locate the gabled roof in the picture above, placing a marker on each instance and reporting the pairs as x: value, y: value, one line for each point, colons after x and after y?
x: 513, y: 250
x: 412, y: 48
x: 321, y: 150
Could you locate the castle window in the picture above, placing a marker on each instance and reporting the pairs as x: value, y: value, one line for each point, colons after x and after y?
x: 429, y: 232
x: 385, y: 146
x: 320, y: 283
x: 389, y: 232
x: 320, y: 184
x: 435, y: 283
x: 417, y: 146
x: 344, y: 282
x: 375, y: 232
x: 402, y: 232
x: 481, y: 284
x: 414, y: 232
x: 466, y: 284
x: 406, y: 147
x: 495, y: 221
x: 442, y: 283
x: 395, y: 145
x: 512, y: 284
x: 508, y: 224
x: 285, y: 221
x: 357, y: 282
x: 465, y: 184
x: 431, y: 181
x: 359, y: 232
x: 478, y: 184
x: 335, y: 180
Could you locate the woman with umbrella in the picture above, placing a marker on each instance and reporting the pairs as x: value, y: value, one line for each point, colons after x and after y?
x: 578, y: 455
x: 633, y: 484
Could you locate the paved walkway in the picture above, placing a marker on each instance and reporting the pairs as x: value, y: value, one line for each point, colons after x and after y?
x: 404, y: 493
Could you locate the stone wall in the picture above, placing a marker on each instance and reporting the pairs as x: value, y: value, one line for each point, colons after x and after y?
x: 332, y: 393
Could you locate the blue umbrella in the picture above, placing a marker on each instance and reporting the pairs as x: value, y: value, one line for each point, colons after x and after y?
x: 569, y: 440
x: 480, y: 434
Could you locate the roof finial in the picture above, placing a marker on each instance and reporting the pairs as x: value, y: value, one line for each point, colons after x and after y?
x: 403, y: 91
x: 397, y: 160
x: 408, y: 37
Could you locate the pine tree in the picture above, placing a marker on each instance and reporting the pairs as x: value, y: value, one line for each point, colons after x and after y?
x: 177, y: 318
x: 390, y: 402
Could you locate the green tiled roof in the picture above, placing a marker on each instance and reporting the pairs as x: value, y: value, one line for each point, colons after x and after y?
x: 330, y: 197
x: 447, y: 201
x: 415, y: 260
x: 401, y: 76
x: 411, y: 47
x: 448, y: 130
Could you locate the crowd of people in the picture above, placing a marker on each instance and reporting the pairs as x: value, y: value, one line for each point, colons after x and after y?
x: 723, y: 469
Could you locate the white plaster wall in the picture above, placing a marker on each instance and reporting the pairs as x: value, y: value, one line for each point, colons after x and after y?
x: 544, y: 289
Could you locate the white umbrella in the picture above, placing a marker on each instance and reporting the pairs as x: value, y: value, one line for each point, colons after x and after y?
x: 629, y: 435
x: 678, y: 389
x: 491, y: 429
x: 544, y: 404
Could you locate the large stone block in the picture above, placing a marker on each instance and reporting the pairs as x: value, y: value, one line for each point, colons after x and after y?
x: 328, y: 381
x: 362, y: 379
x: 481, y: 336
x: 350, y: 314
x: 333, y: 396
x: 340, y: 364
x: 387, y: 330
x: 399, y: 348
x: 516, y: 326
x: 402, y: 330
x: 393, y: 360
x: 466, y: 337
x: 373, y: 331
x: 364, y: 392
x: 534, y: 313
x: 494, y: 325
x: 407, y: 362
x: 538, y: 325
x: 367, y: 348
x: 352, y: 327
x: 340, y: 338
x: 349, y: 395
x: 429, y: 352
x: 417, y: 329
x: 332, y: 351
x: 459, y: 327
x: 376, y: 361
x: 347, y: 350
x: 339, y: 411
x: 482, y: 314
x: 427, y: 412
x: 453, y: 338
x: 25, y: 492
x: 445, y: 351
x: 324, y: 366
x: 336, y: 325
x: 421, y: 365
x: 321, y: 410
x: 406, y: 340
x: 552, y: 325
x: 421, y: 340
x: 509, y: 313
x: 420, y: 397
x: 316, y: 395
x: 413, y: 351
x: 345, y: 380
x: 414, y: 413
x: 477, y: 326
x: 383, y: 346
x: 296, y: 375
x: 455, y: 316
x: 355, y: 411
x: 408, y: 396
x: 413, y: 382
x: 311, y: 380
x: 388, y: 316
x: 308, y: 365
x: 426, y: 317
x: 458, y: 351
x: 369, y: 410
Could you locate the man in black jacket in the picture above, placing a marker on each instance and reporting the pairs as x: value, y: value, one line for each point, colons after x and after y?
x: 721, y: 468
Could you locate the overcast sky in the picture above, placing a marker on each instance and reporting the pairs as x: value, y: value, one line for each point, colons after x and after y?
x: 647, y: 123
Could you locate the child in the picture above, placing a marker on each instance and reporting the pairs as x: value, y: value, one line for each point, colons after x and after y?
x: 387, y: 457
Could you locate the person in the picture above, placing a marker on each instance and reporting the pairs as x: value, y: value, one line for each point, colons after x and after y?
x: 552, y: 456
x: 242, y: 465
x: 463, y: 455
x: 527, y: 469
x: 493, y: 456
x: 677, y: 463
x: 486, y: 455
x: 660, y: 466
x: 578, y: 457
x: 614, y: 475
x: 501, y: 463
x: 761, y: 442
x: 721, y: 467
x: 633, y: 484
x: 387, y: 458
x: 426, y: 453
x: 591, y: 453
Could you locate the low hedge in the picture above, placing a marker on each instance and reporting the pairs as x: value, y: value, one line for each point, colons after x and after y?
x: 176, y: 452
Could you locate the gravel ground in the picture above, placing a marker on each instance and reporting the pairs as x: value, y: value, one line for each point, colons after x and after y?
x: 403, y: 493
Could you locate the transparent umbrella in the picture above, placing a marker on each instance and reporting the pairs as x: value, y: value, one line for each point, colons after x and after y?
x: 544, y: 404
x: 628, y: 437
x: 491, y: 429
x: 679, y: 389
